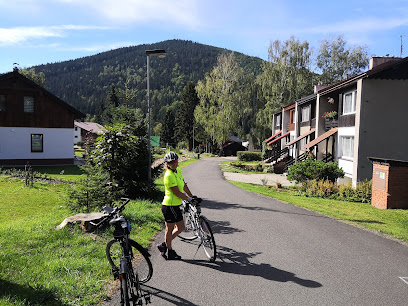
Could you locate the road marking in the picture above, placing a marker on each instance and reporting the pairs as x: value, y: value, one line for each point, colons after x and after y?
x: 404, y: 279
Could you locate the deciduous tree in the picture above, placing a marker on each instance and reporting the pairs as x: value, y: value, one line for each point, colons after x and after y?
x: 224, y: 100
x: 338, y: 62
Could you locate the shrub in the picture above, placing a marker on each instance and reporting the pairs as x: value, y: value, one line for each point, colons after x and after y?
x: 249, y: 156
x: 314, y: 170
x: 362, y: 192
x: 268, y: 169
x: 322, y: 188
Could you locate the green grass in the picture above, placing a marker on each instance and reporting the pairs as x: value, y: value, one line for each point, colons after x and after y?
x: 42, y: 266
x: 159, y: 181
x: 79, y: 152
x: 226, y: 166
x: 68, y: 173
x: 391, y: 222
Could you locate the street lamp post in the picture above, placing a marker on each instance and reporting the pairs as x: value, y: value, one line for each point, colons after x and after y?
x: 159, y: 53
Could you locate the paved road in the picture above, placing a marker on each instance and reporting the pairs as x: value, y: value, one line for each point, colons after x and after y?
x: 271, y: 253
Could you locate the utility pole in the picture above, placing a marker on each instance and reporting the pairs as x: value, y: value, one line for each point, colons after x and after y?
x: 401, y: 47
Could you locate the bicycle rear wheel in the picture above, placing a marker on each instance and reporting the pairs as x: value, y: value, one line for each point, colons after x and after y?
x: 141, y: 262
x: 207, y: 239
x: 190, y: 232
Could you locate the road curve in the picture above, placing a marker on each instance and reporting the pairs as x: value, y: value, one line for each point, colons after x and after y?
x: 272, y: 253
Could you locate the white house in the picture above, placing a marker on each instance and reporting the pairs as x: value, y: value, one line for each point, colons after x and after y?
x: 35, y: 125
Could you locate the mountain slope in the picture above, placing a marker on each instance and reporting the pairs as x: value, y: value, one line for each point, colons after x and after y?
x: 84, y: 83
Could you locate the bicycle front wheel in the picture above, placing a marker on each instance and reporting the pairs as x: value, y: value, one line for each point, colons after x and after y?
x: 190, y: 232
x: 141, y: 258
x: 207, y: 239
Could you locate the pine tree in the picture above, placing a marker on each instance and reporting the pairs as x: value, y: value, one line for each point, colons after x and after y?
x: 168, y: 128
x: 185, y: 116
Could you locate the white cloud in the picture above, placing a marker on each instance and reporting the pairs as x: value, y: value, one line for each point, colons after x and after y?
x: 181, y: 12
x: 359, y: 26
x: 12, y: 36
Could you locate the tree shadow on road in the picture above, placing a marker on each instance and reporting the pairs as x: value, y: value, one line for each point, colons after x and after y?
x: 166, y: 296
x: 223, y: 227
x: 231, y: 261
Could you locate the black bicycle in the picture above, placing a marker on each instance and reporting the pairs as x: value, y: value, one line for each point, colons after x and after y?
x: 197, y: 226
x: 129, y: 260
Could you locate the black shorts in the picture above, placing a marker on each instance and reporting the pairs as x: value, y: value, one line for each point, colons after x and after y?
x: 172, y: 214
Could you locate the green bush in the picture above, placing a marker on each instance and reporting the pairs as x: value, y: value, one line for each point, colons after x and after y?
x: 362, y: 192
x: 314, y: 170
x: 249, y: 156
x: 268, y: 169
x: 329, y: 189
x: 321, y: 189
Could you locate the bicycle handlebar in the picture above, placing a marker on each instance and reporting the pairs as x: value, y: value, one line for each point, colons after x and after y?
x: 111, y: 212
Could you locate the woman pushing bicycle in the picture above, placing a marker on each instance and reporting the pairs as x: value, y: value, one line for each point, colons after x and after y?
x: 176, y: 190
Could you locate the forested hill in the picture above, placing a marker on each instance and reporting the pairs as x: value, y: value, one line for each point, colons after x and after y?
x: 85, y: 82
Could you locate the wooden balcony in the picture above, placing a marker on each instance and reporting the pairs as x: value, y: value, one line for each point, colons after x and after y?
x: 330, y: 123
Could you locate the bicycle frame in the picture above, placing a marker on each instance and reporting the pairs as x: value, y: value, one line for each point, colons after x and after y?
x: 195, y: 223
x: 130, y: 284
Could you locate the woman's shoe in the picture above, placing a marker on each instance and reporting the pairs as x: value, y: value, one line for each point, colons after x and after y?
x: 172, y: 255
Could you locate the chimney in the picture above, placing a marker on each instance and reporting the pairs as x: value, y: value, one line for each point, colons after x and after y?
x: 15, y: 67
x: 378, y: 60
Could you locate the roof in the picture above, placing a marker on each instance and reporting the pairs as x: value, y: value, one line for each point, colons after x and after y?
x: 396, y: 69
x: 17, y: 74
x: 388, y: 161
x: 91, y: 127
x: 290, y: 106
x: 306, y: 99
x: 280, y: 137
x: 235, y: 138
x: 273, y: 136
x: 300, y: 137
x: 320, y: 139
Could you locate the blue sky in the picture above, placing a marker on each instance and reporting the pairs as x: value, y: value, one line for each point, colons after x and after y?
x: 36, y: 32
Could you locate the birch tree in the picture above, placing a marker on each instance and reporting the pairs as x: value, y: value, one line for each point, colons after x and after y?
x: 286, y: 76
x: 224, y: 100
x: 337, y: 62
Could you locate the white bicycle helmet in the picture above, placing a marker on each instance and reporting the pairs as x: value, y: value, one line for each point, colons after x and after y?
x: 170, y: 156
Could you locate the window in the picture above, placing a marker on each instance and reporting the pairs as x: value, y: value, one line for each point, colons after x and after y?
x: 349, y: 102
x: 2, y: 103
x: 291, y: 116
x: 347, y: 146
x: 36, y: 142
x: 28, y: 104
x: 278, y: 121
x: 303, y: 142
x: 305, y: 113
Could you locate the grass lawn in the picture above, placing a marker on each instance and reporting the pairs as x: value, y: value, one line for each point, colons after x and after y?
x: 391, y: 222
x: 68, y: 173
x: 42, y: 266
x: 226, y: 166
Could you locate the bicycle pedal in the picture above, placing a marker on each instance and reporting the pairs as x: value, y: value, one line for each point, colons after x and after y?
x: 147, y: 299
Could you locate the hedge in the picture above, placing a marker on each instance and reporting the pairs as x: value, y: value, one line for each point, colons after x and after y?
x: 249, y: 156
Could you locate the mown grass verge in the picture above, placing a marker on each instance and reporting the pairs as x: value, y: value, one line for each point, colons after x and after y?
x: 392, y: 222
x: 42, y: 266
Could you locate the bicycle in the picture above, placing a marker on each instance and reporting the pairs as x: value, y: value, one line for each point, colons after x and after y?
x: 120, y: 252
x: 197, y: 226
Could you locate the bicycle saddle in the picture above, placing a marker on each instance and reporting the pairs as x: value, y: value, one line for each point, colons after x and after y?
x: 118, y: 219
